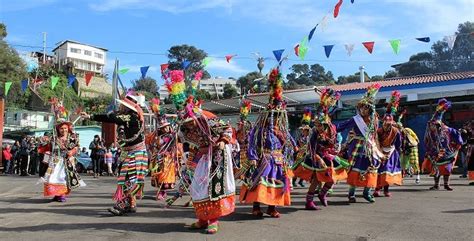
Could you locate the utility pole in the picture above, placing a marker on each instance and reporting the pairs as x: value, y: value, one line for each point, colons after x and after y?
x: 44, y: 47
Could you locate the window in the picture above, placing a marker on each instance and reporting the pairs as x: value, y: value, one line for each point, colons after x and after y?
x: 16, y: 117
x: 98, y: 67
x: 89, y: 66
x: 97, y: 55
x: 24, y: 116
x: 74, y: 50
x: 46, y: 118
x: 87, y: 52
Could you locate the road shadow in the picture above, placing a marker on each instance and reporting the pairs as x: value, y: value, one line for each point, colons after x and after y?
x: 158, y: 228
x: 460, y: 211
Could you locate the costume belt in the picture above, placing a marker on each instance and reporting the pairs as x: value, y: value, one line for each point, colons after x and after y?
x: 137, y: 147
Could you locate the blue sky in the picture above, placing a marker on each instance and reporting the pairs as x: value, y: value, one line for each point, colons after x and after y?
x: 241, y: 27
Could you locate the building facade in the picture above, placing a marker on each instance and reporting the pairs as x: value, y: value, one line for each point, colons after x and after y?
x: 85, y: 57
x: 214, y: 86
x: 26, y: 119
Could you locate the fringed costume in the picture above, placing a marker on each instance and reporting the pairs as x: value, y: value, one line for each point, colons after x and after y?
x: 243, y: 128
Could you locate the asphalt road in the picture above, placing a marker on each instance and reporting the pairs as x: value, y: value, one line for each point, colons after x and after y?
x: 413, y: 213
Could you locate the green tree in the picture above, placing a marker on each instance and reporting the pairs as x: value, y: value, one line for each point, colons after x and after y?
x: 246, y: 83
x: 147, y: 86
x: 12, y: 69
x: 179, y: 53
x: 390, y: 74
x: 376, y: 78
x: 203, y: 94
x: 303, y: 75
x: 354, y: 78
x: 229, y: 91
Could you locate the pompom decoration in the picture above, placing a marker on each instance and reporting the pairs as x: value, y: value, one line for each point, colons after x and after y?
x: 369, y: 97
x: 245, y: 109
x: 155, y: 105
x: 177, y: 88
x: 328, y: 99
x: 443, y: 106
x: 198, y: 75
x: 306, y: 120
x: 394, y: 102
x: 276, y: 90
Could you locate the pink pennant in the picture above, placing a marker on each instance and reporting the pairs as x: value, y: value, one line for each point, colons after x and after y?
x: 164, y: 67
x: 229, y: 57
x: 369, y: 46
x: 88, y: 78
x: 336, y: 8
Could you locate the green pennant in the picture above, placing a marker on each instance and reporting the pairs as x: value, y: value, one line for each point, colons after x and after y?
x: 206, y: 61
x: 7, y: 87
x: 303, y: 49
x: 395, y: 45
x: 54, y: 81
x: 123, y: 71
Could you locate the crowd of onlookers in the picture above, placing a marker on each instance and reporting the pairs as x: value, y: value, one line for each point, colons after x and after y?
x: 27, y: 156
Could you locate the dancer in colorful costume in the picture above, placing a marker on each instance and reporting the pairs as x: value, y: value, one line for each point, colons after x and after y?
x: 362, y: 151
x: 442, y: 144
x: 390, y: 141
x: 409, y: 158
x: 134, y: 168
x: 61, y: 176
x: 302, y: 141
x: 267, y: 181
x: 470, y: 151
x: 165, y: 153
x: 243, y: 128
x: 212, y: 187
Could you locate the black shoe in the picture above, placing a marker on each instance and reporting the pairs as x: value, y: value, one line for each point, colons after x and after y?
x: 463, y: 176
x: 116, y: 211
x: 131, y: 210
x: 434, y: 188
x: 352, y: 199
x: 471, y: 184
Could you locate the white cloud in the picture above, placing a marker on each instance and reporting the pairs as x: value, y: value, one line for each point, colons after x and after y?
x: 222, y: 65
x: 176, y: 7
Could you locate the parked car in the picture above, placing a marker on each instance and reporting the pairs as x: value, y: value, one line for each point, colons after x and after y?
x: 6, y: 141
x: 84, y: 163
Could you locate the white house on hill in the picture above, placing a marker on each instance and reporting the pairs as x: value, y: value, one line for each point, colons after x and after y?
x: 86, y: 58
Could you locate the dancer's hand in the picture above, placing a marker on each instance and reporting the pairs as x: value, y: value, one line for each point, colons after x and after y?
x: 84, y: 115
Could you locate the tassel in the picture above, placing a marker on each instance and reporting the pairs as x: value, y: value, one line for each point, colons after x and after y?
x: 119, y: 195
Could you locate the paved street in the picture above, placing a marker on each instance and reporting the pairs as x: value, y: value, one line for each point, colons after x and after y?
x: 413, y: 213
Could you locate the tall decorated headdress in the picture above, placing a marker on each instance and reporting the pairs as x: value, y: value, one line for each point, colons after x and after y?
x: 61, y: 115
x: 369, y: 98
x: 441, y: 108
x: 307, y: 115
x: 177, y: 88
x: 392, y: 106
x: 328, y: 100
x: 245, y: 108
x: 159, y: 113
x: 275, y: 82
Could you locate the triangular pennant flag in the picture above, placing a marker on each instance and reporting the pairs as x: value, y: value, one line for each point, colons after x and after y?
x: 424, y: 39
x: 303, y: 48
x: 278, y: 54
x: 143, y: 70
x: 395, y: 43
x: 229, y: 57
x: 185, y: 64
x: 311, y: 33
x: 327, y: 49
x: 297, y: 49
x: 369, y: 46
x: 336, y: 8
x: 349, y: 48
x: 164, y: 67
x: 54, y: 81
x: 352, y: 1
x: 324, y: 22
x: 450, y: 40
x: 7, y: 87
x: 24, y: 85
x: 123, y: 71
x: 88, y: 78
x: 70, y: 79
x: 206, y: 61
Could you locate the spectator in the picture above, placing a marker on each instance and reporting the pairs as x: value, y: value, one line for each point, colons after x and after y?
x: 117, y: 155
x: 7, y: 159
x: 97, y: 153
x: 24, y: 156
x: 109, y: 159
x: 33, y: 164
x: 84, y: 151
x: 14, y: 165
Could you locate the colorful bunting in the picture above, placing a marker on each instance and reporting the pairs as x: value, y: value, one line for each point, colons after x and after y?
x: 123, y: 71
x: 327, y: 49
x: 164, y: 67
x: 395, y: 43
x: 88, y: 78
x: 303, y: 48
x: 206, y: 61
x: 450, y: 40
x: 185, y: 64
x: 54, y: 81
x: 349, y: 48
x: 336, y: 8
x: 24, y: 85
x: 143, y: 70
x: 7, y: 87
x: 324, y: 22
x: 70, y: 79
x: 310, y: 36
x: 352, y: 1
x: 369, y: 46
x: 229, y: 57
x: 424, y: 39
x: 297, y: 50
x: 278, y: 54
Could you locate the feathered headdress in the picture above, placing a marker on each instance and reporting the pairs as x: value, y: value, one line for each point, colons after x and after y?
x: 306, y: 120
x: 328, y: 99
x: 60, y: 112
x: 245, y: 108
x: 392, y: 106
x: 177, y: 88
x: 443, y: 106
x: 275, y: 82
x: 369, y: 97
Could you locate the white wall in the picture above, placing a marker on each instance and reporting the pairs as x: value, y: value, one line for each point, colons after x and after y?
x: 28, y: 119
